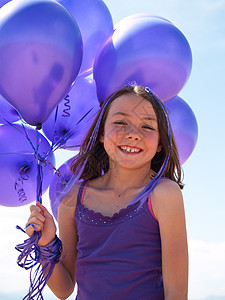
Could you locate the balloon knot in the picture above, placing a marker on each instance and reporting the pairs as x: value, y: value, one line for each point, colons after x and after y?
x: 39, y: 126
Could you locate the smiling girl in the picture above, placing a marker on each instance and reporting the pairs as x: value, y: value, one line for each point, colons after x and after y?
x: 123, y: 227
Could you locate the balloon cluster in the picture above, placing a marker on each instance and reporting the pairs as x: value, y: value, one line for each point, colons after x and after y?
x: 59, y: 60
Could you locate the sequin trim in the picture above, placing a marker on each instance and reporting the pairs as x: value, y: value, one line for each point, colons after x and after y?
x: 96, y: 218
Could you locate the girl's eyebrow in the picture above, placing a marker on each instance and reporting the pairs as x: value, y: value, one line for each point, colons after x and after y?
x: 148, y: 118
x: 120, y: 113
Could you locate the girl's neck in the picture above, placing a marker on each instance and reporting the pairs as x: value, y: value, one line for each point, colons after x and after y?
x: 121, y: 180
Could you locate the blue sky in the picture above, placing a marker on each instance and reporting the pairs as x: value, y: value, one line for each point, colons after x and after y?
x: 203, y: 24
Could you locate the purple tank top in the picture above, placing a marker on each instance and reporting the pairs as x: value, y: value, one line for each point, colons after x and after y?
x: 119, y: 257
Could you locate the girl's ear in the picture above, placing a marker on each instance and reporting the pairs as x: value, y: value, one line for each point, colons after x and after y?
x: 101, y: 139
x: 159, y: 148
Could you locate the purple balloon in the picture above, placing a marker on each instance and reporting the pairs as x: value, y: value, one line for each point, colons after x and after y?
x: 147, y: 50
x: 96, y: 26
x: 40, y: 56
x: 57, y: 185
x: 81, y: 99
x: 185, y: 127
x: 3, y: 2
x: 19, y: 165
x: 7, y: 112
x: 128, y: 19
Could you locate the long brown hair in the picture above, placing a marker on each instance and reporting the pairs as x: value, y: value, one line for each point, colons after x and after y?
x: 97, y: 161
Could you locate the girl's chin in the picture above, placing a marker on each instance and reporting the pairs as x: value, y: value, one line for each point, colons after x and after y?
x: 125, y: 164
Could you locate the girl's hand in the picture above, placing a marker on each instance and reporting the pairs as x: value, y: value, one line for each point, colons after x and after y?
x: 43, y: 221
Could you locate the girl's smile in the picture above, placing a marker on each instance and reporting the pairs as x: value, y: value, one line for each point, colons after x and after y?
x: 130, y: 149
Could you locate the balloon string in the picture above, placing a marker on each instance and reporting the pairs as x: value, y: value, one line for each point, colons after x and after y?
x: 61, y: 141
x: 56, y: 116
x: 38, y: 137
x: 39, y: 168
x: 24, y: 132
x: 17, y: 153
x: 40, y: 160
x: 29, y: 140
x: 39, y: 182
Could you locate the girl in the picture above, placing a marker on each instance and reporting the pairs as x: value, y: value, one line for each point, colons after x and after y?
x: 123, y: 227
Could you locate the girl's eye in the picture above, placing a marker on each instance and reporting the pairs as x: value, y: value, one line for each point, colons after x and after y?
x: 148, y: 127
x: 120, y: 123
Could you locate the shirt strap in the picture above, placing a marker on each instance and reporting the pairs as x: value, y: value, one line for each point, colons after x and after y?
x: 81, y: 191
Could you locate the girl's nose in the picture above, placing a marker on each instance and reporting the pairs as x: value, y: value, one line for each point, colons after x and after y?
x: 133, y: 134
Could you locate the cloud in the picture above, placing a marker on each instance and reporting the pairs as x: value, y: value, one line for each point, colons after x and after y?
x: 207, y: 265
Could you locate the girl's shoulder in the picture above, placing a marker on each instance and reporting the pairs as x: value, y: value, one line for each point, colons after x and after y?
x: 167, y: 185
x: 167, y: 196
x: 97, y: 185
x: 69, y: 201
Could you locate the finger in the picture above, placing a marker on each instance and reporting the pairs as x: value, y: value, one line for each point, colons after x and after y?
x: 30, y: 228
x: 36, y: 218
x: 35, y: 221
x: 35, y: 207
x: 43, y: 209
x: 32, y: 225
x: 38, y: 215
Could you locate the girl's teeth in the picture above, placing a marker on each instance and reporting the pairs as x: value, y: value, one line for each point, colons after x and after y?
x: 128, y: 149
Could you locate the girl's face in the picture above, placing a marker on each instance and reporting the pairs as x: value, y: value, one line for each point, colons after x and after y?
x: 131, y: 137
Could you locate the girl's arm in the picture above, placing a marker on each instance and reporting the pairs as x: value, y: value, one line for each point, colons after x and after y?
x: 167, y: 203
x: 62, y: 280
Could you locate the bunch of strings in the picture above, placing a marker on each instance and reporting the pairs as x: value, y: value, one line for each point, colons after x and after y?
x: 40, y: 261
x: 42, y: 267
